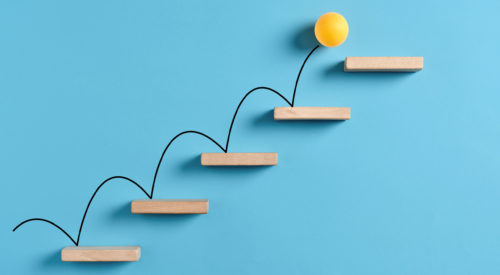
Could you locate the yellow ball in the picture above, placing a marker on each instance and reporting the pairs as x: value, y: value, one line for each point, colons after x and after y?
x: 331, y: 29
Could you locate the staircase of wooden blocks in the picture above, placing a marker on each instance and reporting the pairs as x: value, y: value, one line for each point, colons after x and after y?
x: 201, y: 206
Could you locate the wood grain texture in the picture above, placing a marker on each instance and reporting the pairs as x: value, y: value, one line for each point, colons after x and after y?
x: 101, y: 254
x: 169, y: 206
x: 312, y: 113
x: 239, y: 159
x: 383, y: 64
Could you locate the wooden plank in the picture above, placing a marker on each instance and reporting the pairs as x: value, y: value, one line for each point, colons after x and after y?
x: 169, y: 206
x: 101, y: 254
x: 239, y: 159
x: 312, y: 113
x: 383, y: 64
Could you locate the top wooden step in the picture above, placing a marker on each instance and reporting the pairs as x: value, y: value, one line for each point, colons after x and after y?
x: 383, y: 63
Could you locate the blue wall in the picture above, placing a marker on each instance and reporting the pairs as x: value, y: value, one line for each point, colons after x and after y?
x: 410, y: 185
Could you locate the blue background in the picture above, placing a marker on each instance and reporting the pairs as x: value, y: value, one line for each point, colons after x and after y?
x: 93, y: 89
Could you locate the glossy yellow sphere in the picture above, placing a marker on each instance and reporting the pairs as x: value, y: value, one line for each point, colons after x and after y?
x: 331, y: 29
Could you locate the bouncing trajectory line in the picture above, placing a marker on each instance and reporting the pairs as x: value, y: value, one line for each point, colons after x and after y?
x: 225, y: 149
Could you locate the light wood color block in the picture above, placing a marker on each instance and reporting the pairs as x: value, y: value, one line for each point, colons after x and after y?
x: 312, y: 113
x: 169, y: 207
x: 383, y: 64
x: 101, y: 254
x: 239, y: 159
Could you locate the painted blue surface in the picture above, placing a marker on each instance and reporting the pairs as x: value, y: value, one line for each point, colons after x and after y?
x: 410, y: 185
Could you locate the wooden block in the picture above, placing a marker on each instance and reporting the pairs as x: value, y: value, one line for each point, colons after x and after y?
x: 101, y: 254
x: 383, y: 64
x: 239, y: 159
x: 169, y: 207
x: 312, y: 113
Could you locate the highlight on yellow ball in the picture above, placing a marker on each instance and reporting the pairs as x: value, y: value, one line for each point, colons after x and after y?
x: 331, y: 29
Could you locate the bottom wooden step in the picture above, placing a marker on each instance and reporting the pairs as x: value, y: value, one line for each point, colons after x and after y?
x: 169, y: 206
x: 101, y: 254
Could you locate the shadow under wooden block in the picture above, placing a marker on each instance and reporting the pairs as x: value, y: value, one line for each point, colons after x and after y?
x: 188, y: 206
x: 101, y: 254
x: 312, y: 113
x: 383, y: 63
x: 239, y: 159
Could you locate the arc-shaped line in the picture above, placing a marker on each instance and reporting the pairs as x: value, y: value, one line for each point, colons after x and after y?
x: 241, y: 102
x: 47, y: 221
x: 95, y: 192
x: 86, y: 209
x: 225, y: 150
x: 300, y: 72
x: 168, y: 145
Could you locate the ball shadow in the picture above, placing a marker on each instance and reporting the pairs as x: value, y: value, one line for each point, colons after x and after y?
x: 304, y: 38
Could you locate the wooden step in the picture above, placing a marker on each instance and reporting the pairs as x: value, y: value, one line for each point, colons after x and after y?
x: 101, y: 254
x: 169, y: 206
x: 312, y: 113
x: 383, y: 63
x: 239, y: 159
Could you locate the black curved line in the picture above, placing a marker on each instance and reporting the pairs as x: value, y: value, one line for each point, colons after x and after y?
x: 225, y: 150
x: 300, y: 72
x: 168, y: 145
x: 95, y: 192
x: 47, y: 221
x: 86, y: 210
x: 241, y: 102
